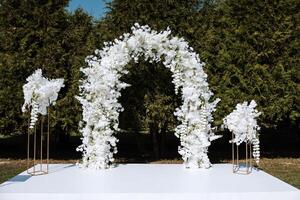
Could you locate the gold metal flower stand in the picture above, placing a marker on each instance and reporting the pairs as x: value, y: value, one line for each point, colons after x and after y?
x: 36, y: 165
x: 241, y: 166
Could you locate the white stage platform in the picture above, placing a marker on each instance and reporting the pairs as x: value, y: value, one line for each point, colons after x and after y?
x: 146, y: 181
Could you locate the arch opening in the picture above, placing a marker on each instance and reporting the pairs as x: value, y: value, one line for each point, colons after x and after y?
x: 147, y: 122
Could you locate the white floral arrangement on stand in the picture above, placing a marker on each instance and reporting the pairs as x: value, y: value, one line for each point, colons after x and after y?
x: 101, y: 88
x: 39, y: 93
x: 242, y: 122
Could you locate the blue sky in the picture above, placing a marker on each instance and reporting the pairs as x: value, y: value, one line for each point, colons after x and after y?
x: 96, y: 8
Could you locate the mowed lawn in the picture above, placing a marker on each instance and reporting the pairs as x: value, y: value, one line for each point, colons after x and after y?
x: 286, y: 169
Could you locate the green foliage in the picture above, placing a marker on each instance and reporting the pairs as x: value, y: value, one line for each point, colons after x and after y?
x: 41, y: 34
x: 150, y: 98
x: 251, y: 51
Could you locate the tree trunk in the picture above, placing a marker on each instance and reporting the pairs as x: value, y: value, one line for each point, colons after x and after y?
x: 62, y: 137
x: 162, y: 134
x: 155, y: 143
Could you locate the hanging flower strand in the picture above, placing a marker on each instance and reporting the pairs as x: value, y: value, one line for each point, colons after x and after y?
x: 242, y: 122
x: 39, y: 93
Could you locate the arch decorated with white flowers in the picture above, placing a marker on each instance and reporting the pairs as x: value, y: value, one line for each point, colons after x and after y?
x: 101, y: 88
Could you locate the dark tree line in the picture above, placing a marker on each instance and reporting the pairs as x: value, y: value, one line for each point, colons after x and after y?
x: 251, y: 50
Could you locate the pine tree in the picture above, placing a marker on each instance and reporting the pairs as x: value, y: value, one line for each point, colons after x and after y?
x: 252, y: 52
x: 41, y: 34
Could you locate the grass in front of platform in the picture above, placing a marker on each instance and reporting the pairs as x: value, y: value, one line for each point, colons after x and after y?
x: 11, y: 167
x: 286, y: 169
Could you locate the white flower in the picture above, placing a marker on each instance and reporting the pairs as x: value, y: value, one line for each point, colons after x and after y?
x: 39, y: 93
x: 242, y: 122
x: 101, y: 88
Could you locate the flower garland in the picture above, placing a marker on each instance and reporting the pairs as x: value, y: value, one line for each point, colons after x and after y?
x: 101, y: 88
x: 39, y: 93
x: 243, y: 124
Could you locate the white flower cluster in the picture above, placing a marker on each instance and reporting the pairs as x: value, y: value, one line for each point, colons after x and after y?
x: 101, y: 88
x: 39, y: 93
x: 243, y: 124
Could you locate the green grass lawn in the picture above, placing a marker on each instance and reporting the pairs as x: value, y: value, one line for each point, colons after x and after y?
x: 286, y: 169
x: 280, y: 155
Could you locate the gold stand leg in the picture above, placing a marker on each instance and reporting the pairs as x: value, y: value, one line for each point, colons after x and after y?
x: 236, y: 161
x: 42, y: 169
x: 28, y: 146
x: 48, y: 135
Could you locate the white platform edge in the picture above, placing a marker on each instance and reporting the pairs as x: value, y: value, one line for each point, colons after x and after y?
x: 289, y: 192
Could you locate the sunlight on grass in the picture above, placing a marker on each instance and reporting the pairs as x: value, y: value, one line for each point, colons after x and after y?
x: 286, y: 169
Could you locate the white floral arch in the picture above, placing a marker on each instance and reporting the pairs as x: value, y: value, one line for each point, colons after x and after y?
x: 101, y: 88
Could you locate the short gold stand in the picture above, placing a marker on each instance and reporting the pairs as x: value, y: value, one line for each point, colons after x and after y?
x: 241, y: 167
x: 39, y: 167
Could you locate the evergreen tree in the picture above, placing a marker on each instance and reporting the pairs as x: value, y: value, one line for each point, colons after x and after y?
x: 252, y: 52
x: 41, y: 34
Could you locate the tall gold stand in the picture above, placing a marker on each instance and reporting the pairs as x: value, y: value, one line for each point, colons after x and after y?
x: 39, y: 166
x: 244, y: 167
